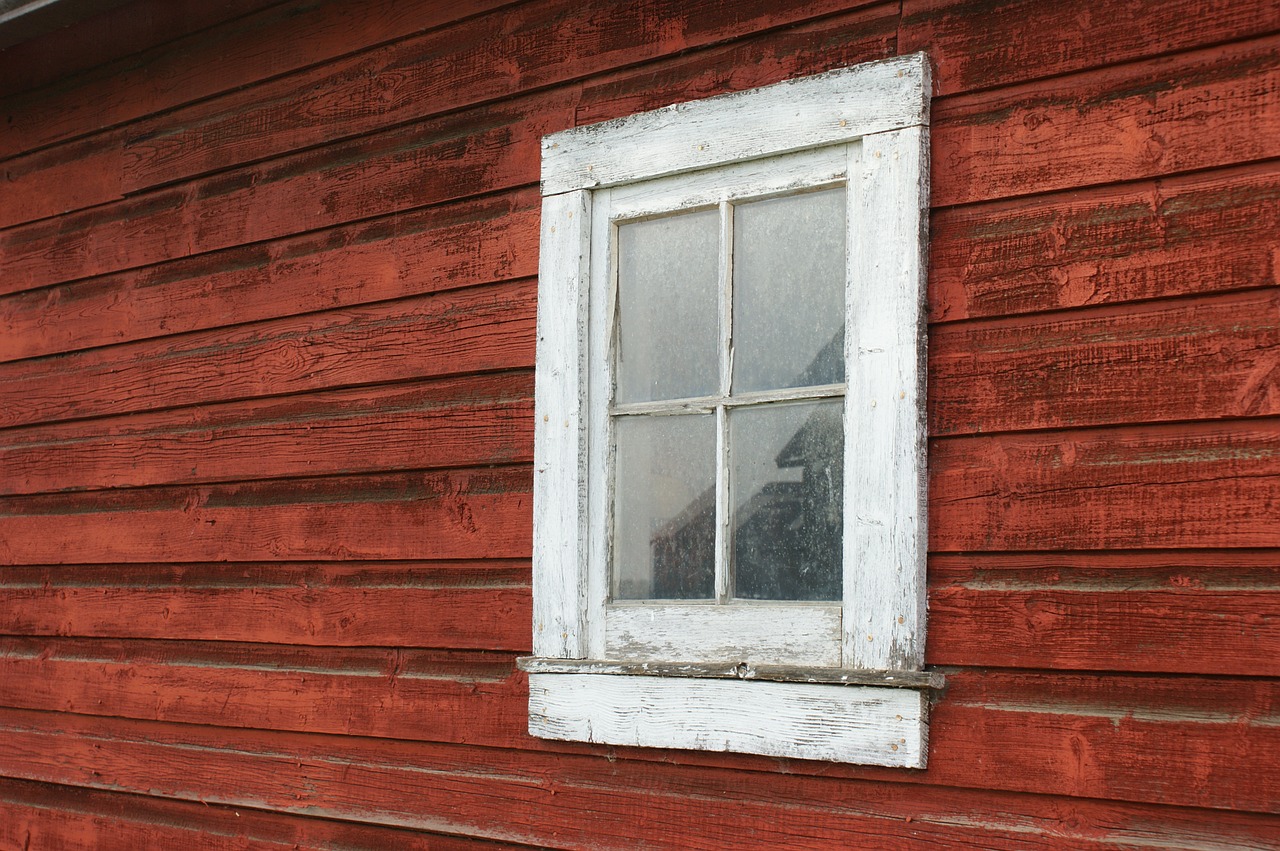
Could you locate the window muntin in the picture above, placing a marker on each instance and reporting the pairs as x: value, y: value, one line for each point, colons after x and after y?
x: 775, y: 534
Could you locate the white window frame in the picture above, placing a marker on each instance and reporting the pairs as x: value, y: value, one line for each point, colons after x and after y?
x: 862, y: 696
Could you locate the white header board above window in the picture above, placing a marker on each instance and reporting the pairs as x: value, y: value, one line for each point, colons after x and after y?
x: 729, y: 503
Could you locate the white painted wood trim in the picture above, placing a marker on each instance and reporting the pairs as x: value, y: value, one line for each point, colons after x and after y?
x: 756, y: 633
x: 825, y: 109
x: 560, y: 445
x: 858, y: 724
x: 877, y: 108
x: 598, y: 393
x: 745, y: 181
x: 885, y: 508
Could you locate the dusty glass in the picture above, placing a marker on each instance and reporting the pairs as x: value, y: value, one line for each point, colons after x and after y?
x: 786, y: 488
x: 789, y: 291
x: 668, y: 292
x: 665, y: 506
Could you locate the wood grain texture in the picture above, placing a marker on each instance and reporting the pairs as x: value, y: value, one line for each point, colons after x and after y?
x: 1209, y: 613
x: 885, y: 533
x: 439, y: 696
x: 1175, y: 740
x: 69, y: 177
x: 1194, y: 485
x: 556, y: 41
x: 274, y: 41
x: 38, y: 815
x: 863, y: 34
x: 1182, y: 359
x: 560, y: 488
x: 755, y: 633
x: 1208, y: 232
x: 860, y: 724
x: 458, y: 514
x: 332, y: 230
x: 108, y: 36
x: 1204, y: 109
x: 603, y: 798
x: 836, y: 107
x: 472, y: 330
x: 439, y: 248
x: 977, y: 44
x: 458, y: 605
x: 445, y: 159
x: 450, y: 423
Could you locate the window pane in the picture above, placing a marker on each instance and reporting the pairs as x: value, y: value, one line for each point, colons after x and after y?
x: 665, y: 508
x: 786, y: 485
x: 668, y: 287
x: 788, y: 291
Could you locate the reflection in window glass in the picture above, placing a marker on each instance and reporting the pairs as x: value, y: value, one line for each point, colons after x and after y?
x: 668, y: 292
x: 786, y: 485
x: 665, y: 507
x: 788, y: 291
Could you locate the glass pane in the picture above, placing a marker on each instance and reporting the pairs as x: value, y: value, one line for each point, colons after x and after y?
x: 786, y: 486
x: 788, y: 291
x: 668, y: 332
x: 665, y: 508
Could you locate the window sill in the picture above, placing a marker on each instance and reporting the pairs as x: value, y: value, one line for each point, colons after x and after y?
x: 870, y: 718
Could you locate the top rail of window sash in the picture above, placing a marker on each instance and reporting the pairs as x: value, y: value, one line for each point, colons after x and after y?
x: 707, y: 404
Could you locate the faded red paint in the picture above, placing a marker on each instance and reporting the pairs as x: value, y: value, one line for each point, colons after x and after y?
x: 266, y: 337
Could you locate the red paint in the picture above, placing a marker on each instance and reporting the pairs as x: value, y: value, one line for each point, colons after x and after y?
x: 267, y: 321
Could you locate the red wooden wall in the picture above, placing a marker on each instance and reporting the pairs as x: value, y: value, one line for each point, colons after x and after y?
x: 267, y: 302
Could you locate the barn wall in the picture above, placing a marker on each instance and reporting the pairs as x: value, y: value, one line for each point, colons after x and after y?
x: 267, y: 298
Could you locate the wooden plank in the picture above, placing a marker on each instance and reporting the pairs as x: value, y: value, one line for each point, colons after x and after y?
x: 142, y: 231
x: 604, y: 798
x: 458, y: 514
x: 1201, y: 233
x: 37, y: 815
x: 550, y: 42
x: 1201, y: 485
x: 835, y: 107
x: 560, y: 505
x: 458, y: 156
x: 442, y: 696
x: 885, y: 530
x: 108, y: 36
x: 756, y: 633
x: 472, y: 330
x: 1201, y: 613
x: 451, y: 423
x: 458, y: 605
x: 1205, y: 109
x: 861, y: 724
x: 287, y: 37
x: 69, y: 177
x: 1181, y: 359
x: 978, y: 44
x: 1125, y: 738
x: 863, y: 34
x: 440, y: 248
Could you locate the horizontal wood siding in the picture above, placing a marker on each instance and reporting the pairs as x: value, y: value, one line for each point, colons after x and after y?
x: 267, y: 320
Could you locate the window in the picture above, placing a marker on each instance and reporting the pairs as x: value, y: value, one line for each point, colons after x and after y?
x: 729, y: 514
